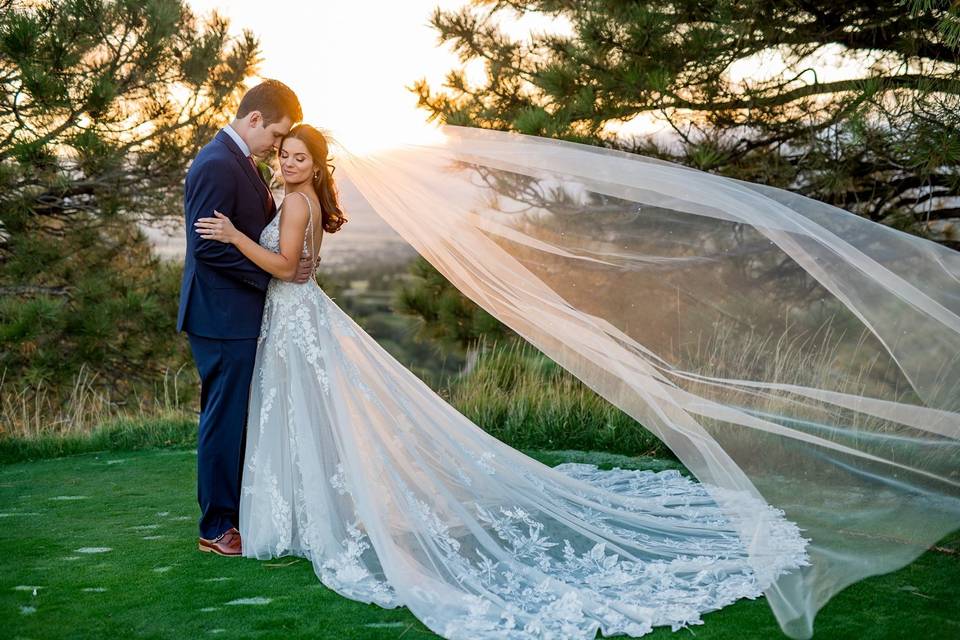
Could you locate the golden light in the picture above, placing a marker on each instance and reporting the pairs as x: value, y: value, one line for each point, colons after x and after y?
x: 364, y: 139
x: 351, y: 62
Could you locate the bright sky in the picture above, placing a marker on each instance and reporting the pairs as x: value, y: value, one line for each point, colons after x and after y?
x: 350, y: 60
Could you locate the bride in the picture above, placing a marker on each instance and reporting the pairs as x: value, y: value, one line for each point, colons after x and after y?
x: 397, y: 499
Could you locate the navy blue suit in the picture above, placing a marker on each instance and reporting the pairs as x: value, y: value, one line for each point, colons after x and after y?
x: 221, y: 306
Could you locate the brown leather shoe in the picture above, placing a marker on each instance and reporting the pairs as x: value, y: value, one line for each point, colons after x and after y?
x: 226, y: 544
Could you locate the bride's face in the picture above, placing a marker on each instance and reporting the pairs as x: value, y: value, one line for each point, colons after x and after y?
x: 296, y: 163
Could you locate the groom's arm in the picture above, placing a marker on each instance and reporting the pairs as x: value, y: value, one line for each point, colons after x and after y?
x: 208, y: 190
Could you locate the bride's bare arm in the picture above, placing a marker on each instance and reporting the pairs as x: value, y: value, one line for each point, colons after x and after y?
x: 293, y: 227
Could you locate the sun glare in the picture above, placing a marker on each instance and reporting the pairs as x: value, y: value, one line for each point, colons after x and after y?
x: 360, y: 138
x: 350, y: 63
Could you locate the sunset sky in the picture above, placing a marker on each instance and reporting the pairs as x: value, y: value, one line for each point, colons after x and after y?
x: 350, y: 61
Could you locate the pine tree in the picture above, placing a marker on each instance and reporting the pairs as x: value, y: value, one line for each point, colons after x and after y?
x: 449, y: 318
x: 102, y: 105
x: 882, y: 143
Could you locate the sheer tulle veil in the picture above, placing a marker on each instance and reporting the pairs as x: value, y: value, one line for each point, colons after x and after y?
x: 778, y: 345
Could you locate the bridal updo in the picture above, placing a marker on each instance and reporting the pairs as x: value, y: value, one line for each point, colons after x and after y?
x: 332, y: 217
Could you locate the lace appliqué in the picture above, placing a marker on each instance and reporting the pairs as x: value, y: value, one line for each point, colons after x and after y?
x: 580, y: 591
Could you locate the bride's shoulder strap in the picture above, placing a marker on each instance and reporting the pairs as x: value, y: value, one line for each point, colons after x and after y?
x: 305, y: 197
x: 309, y: 232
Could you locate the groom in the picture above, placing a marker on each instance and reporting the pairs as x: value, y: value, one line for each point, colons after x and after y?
x: 222, y: 297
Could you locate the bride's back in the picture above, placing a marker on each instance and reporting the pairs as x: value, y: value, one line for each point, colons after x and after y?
x: 314, y: 234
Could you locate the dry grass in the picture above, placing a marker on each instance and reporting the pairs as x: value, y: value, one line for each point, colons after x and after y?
x: 822, y: 358
x: 39, y: 411
x: 526, y: 400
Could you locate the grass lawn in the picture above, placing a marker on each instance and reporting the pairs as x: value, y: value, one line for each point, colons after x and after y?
x: 103, y: 545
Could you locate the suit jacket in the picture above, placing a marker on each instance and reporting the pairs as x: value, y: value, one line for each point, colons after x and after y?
x: 222, y: 292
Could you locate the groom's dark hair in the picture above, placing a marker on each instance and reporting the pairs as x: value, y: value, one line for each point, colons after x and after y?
x: 273, y: 100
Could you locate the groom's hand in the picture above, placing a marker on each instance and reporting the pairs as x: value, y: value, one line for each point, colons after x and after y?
x: 304, y: 271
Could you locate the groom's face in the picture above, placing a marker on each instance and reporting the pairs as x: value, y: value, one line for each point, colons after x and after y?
x: 265, y: 138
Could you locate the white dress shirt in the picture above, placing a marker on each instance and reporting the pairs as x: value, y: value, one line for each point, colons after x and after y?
x: 236, y: 138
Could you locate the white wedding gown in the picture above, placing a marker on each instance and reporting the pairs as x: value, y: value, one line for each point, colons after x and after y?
x: 397, y: 499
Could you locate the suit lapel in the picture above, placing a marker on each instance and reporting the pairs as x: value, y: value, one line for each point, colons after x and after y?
x: 259, y: 184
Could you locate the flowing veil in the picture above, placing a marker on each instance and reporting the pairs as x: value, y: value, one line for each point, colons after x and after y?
x: 784, y: 349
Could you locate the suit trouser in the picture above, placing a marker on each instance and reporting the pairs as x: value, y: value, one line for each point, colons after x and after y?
x: 226, y: 368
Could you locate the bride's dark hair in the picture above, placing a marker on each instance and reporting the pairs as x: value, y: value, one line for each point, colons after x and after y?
x: 332, y: 217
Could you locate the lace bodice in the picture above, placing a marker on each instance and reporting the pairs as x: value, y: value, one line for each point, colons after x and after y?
x: 270, y: 236
x: 290, y: 292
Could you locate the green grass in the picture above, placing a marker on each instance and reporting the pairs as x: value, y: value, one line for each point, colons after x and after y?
x: 154, y: 584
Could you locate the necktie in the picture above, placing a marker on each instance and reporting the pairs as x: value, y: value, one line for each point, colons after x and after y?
x: 256, y: 170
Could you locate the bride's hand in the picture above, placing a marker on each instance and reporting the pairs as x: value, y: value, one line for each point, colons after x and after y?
x: 218, y: 228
